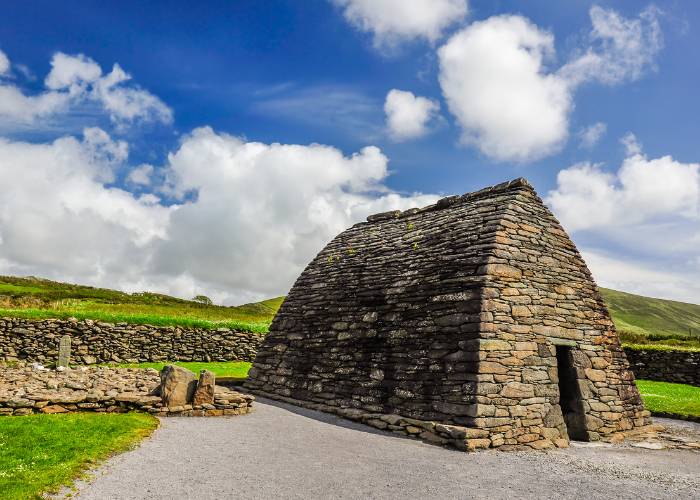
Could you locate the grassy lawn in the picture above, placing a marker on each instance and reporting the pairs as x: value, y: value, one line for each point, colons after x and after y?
x: 34, y: 298
x: 41, y: 453
x: 237, y: 369
x: 664, y: 397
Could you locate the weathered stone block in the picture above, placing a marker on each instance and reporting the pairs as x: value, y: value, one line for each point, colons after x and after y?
x: 177, y: 385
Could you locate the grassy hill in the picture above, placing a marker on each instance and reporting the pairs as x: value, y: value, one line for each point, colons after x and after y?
x: 39, y: 299
x: 639, y: 319
x: 643, y: 319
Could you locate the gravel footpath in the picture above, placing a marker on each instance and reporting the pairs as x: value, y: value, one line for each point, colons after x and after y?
x: 281, y: 451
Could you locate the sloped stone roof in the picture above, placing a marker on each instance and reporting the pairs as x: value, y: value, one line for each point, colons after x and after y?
x: 421, y: 313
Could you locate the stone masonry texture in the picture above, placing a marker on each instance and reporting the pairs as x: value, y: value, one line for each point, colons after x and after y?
x: 97, y: 342
x: 443, y: 323
x: 681, y: 367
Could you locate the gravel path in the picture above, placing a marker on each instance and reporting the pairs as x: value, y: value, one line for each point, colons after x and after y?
x: 280, y: 451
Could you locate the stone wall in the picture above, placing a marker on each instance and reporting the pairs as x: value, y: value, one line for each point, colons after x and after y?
x: 451, y: 315
x: 25, y: 390
x: 98, y: 342
x: 665, y: 366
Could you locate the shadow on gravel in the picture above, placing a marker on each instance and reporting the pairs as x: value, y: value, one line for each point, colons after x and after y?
x: 327, y: 418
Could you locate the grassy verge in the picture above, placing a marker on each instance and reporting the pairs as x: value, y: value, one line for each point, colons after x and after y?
x: 135, y: 318
x: 668, y: 398
x: 237, y: 369
x: 41, y: 453
x: 661, y: 347
x: 34, y: 298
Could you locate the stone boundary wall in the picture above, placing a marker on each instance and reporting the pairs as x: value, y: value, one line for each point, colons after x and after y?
x: 25, y: 390
x: 665, y: 366
x: 98, y: 342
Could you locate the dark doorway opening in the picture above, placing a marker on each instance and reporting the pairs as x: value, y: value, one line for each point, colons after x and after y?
x: 570, y: 395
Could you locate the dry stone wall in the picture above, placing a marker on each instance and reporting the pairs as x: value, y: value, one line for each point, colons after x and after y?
x: 453, y: 315
x: 682, y: 367
x: 98, y: 342
x: 25, y: 390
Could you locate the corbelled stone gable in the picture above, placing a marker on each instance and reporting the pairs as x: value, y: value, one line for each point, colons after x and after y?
x: 450, y: 315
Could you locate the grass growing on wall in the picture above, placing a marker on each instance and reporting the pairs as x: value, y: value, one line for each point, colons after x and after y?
x: 237, y: 369
x: 34, y: 298
x: 665, y: 397
x: 41, y: 453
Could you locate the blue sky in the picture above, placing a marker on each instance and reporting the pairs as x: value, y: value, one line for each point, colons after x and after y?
x: 320, y: 72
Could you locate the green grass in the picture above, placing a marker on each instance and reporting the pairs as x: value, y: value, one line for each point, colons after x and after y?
x: 41, y: 453
x: 648, y: 316
x: 237, y: 369
x: 34, y: 298
x: 665, y: 397
x: 639, y: 320
x: 661, y: 347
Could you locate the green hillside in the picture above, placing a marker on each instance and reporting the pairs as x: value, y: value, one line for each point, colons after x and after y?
x: 638, y: 319
x: 39, y: 299
x: 646, y: 316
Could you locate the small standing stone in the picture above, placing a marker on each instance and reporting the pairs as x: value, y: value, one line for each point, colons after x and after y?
x: 64, y: 352
x: 204, y: 394
x: 177, y: 385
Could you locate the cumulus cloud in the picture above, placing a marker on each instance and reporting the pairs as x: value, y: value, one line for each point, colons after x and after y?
x: 262, y: 211
x: 641, y: 190
x: 248, y: 216
x: 141, y: 175
x: 589, y: 136
x: 394, y: 21
x: 408, y: 116
x: 647, y: 214
x: 4, y: 64
x: 75, y: 80
x: 492, y: 77
x: 496, y: 79
x: 60, y: 219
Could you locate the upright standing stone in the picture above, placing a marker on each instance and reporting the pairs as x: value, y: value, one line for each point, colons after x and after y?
x: 177, y: 385
x: 64, y: 352
x: 204, y: 394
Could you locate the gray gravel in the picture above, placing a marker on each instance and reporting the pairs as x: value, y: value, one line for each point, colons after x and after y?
x: 280, y: 451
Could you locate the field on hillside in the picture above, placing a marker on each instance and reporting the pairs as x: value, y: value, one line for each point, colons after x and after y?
x: 39, y: 299
x: 640, y: 320
x: 643, y: 320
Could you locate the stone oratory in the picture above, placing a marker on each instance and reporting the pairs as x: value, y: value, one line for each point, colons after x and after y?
x: 473, y: 322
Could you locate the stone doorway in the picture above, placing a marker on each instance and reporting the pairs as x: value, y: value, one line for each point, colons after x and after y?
x: 570, y: 400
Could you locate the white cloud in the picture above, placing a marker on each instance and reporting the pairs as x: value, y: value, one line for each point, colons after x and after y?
x: 643, y: 278
x: 59, y: 218
x: 72, y: 72
x: 4, y: 64
x: 621, y: 49
x: 262, y: 211
x: 642, y: 190
x: 589, y: 136
x: 631, y: 144
x: 76, y: 80
x: 493, y: 79
x: 141, y: 175
x: 509, y: 104
x: 407, y: 115
x: 255, y: 214
x: 646, y: 214
x: 394, y: 21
